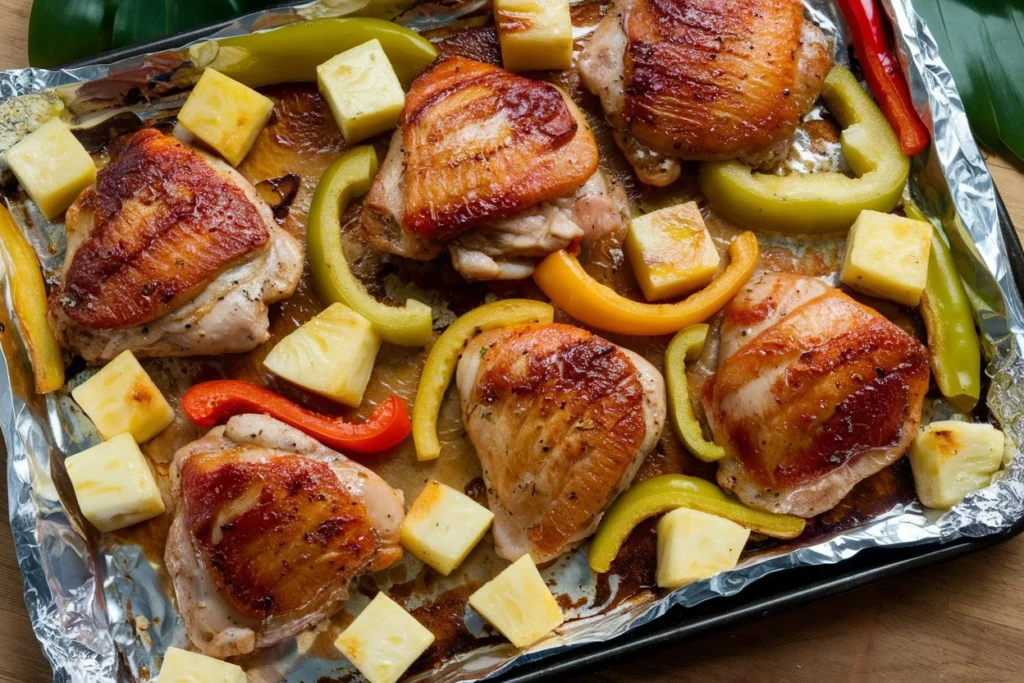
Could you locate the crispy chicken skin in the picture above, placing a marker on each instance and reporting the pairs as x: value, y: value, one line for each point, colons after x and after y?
x: 499, y: 168
x: 814, y: 392
x: 161, y: 226
x: 704, y: 79
x: 561, y: 420
x: 270, y: 527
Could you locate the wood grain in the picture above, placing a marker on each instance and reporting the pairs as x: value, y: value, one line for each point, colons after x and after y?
x: 959, y: 621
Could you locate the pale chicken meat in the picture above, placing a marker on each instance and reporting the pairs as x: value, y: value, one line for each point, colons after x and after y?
x: 270, y: 527
x: 170, y: 253
x: 561, y: 420
x: 704, y: 79
x: 498, y: 169
x: 814, y: 392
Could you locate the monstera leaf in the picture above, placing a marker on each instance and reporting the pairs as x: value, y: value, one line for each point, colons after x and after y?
x: 982, y: 43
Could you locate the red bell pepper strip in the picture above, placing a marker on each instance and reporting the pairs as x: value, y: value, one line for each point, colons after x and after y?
x: 870, y: 31
x: 211, y: 403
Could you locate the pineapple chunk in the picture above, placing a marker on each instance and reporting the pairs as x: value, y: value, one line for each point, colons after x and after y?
x: 226, y: 115
x: 53, y: 167
x: 518, y: 603
x: 443, y: 525
x: 182, y: 666
x: 887, y: 257
x: 362, y: 90
x: 671, y: 252
x: 534, y: 34
x: 114, y: 485
x: 694, y: 545
x: 950, y: 459
x: 331, y: 355
x: 122, y: 398
x: 384, y: 640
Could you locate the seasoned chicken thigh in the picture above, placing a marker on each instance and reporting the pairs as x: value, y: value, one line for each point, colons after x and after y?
x: 270, y: 528
x: 561, y: 420
x: 704, y: 79
x: 497, y: 168
x: 814, y: 392
x: 170, y: 253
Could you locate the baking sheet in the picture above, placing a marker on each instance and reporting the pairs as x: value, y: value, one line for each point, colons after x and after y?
x: 99, y: 608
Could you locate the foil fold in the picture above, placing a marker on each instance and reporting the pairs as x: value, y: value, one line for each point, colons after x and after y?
x: 101, y: 614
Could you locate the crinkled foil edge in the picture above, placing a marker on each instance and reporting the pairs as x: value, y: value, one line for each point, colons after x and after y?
x: 80, y: 622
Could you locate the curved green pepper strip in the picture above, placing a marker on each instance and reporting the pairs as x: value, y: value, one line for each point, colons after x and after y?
x: 347, y: 178
x: 671, y: 491
x: 953, y: 347
x: 819, y: 203
x: 684, y: 348
x: 291, y: 53
x: 444, y: 356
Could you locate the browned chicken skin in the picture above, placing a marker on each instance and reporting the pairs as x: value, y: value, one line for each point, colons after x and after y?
x: 270, y: 527
x: 162, y: 225
x: 561, y: 420
x: 704, y: 79
x: 501, y: 169
x: 814, y: 392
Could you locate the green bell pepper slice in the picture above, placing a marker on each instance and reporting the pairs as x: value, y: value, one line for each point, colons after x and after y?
x: 826, y: 202
x: 347, y: 178
x: 291, y: 53
x: 684, y: 348
x: 668, y: 492
x: 953, y: 347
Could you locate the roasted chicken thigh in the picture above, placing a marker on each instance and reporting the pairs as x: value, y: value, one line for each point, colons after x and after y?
x: 270, y: 526
x: 561, y: 420
x: 704, y: 79
x: 814, y: 392
x: 170, y: 253
x: 497, y: 168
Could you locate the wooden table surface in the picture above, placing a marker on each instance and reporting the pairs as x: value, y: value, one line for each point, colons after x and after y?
x: 958, y: 621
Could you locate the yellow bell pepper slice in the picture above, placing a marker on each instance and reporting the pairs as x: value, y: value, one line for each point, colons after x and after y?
x: 291, y: 53
x: 684, y: 348
x: 568, y: 285
x: 347, y: 178
x: 668, y: 492
x: 819, y: 203
x: 953, y: 347
x: 440, y: 366
x: 28, y: 293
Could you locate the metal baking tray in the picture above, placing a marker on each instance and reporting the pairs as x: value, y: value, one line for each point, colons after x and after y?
x: 770, y: 595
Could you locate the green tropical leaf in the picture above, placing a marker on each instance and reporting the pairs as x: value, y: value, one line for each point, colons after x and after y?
x: 61, y: 31
x: 982, y: 43
x: 138, y: 21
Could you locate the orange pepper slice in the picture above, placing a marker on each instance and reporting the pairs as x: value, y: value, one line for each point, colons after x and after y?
x: 567, y: 284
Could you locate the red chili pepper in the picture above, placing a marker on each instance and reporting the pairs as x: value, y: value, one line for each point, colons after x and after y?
x: 211, y: 403
x: 870, y: 31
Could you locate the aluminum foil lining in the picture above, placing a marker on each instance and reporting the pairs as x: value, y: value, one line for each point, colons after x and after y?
x: 100, y: 613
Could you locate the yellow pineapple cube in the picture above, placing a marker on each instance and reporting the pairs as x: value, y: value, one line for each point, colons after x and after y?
x: 225, y: 114
x: 53, y: 167
x: 182, y: 666
x: 951, y: 458
x: 114, y: 485
x: 443, y: 526
x: 384, y: 640
x: 331, y: 355
x: 671, y: 252
x: 518, y: 603
x: 362, y: 90
x: 887, y: 257
x: 694, y: 545
x: 123, y: 398
x: 534, y: 34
